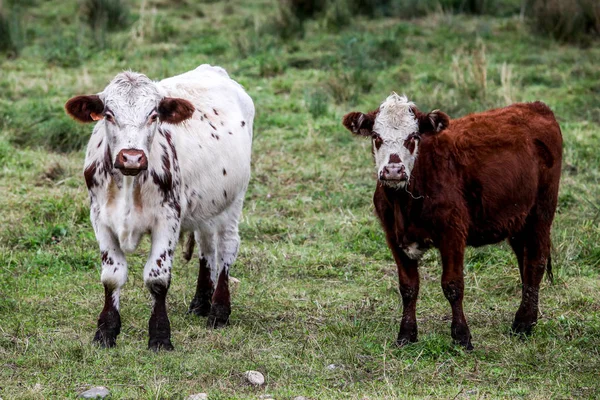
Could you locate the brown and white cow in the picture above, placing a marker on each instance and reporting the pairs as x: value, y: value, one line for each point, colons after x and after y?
x: 167, y: 157
x: 470, y: 181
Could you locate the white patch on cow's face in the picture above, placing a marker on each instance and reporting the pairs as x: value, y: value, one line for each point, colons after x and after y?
x: 130, y: 112
x: 393, y: 135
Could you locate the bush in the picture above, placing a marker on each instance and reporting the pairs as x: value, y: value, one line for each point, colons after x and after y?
x: 566, y: 20
x: 11, y: 31
x: 66, y: 49
x: 104, y: 16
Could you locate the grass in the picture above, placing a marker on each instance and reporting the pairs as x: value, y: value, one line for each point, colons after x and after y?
x: 317, y: 282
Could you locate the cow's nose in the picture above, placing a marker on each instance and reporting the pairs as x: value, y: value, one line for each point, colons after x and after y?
x: 131, y: 161
x: 393, y: 172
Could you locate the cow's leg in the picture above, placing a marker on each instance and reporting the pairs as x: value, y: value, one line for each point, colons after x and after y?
x: 113, y: 277
x: 157, y: 277
x: 228, y: 245
x: 206, y: 240
x: 453, y: 285
x: 517, y: 242
x: 408, y: 279
x: 536, y: 259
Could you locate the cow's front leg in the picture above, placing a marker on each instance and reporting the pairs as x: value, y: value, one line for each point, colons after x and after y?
x: 157, y: 277
x: 453, y: 285
x: 113, y: 277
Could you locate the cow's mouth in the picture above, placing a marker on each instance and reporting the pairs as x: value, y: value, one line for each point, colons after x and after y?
x: 130, y: 172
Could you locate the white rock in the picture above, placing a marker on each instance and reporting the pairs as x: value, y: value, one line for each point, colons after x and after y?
x: 197, y: 396
x: 95, y: 392
x: 331, y: 367
x: 255, y: 378
x: 300, y: 398
x: 234, y: 280
x: 266, y: 397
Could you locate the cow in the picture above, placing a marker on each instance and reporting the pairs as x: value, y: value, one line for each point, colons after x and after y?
x: 471, y: 181
x: 165, y: 158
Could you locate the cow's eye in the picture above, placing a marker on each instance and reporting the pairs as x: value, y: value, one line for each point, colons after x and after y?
x: 109, y: 117
x: 153, y: 118
x: 378, y: 141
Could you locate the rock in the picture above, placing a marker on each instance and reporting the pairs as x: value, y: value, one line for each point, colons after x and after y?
x: 300, y: 398
x: 95, y: 393
x: 255, y: 378
x: 197, y: 396
x: 331, y: 367
x: 266, y: 397
x: 233, y: 280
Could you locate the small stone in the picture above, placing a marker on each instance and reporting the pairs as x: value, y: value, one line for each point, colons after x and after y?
x: 197, y: 396
x: 255, y: 378
x: 300, y: 398
x: 234, y: 280
x: 95, y: 393
x: 266, y: 397
x: 331, y: 367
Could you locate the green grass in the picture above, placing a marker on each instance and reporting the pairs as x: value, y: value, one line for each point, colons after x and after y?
x: 318, y: 284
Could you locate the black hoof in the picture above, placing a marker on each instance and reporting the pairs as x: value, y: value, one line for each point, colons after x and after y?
x: 160, y: 344
x: 466, y: 344
x: 404, y: 341
x: 105, y: 340
x: 201, y: 310
x: 407, y: 335
x: 218, y: 316
x: 461, y: 336
x: 520, y: 328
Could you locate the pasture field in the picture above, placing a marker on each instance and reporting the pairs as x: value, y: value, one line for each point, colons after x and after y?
x: 318, y: 285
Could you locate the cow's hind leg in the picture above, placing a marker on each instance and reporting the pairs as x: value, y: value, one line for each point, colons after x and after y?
x: 113, y: 277
x: 228, y: 245
x: 157, y: 277
x: 535, y: 261
x: 205, y: 286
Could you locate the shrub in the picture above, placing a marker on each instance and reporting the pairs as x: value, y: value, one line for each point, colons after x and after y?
x: 104, y: 16
x: 317, y: 103
x: 566, y: 20
x: 11, y: 31
x: 66, y: 49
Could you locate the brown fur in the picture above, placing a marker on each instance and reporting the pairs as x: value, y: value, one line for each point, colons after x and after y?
x: 81, y: 107
x: 485, y: 178
x: 174, y: 111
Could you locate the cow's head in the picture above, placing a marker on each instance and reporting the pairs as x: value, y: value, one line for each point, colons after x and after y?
x: 395, y: 129
x: 130, y: 109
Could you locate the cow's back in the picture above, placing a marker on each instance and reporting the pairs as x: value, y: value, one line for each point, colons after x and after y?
x: 501, y: 162
x: 214, y: 146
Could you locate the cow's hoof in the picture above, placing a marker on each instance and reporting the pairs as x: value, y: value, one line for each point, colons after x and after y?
x: 404, y: 341
x: 407, y: 336
x: 105, y: 340
x: 201, y: 309
x: 522, y: 328
x: 218, y: 316
x: 462, y: 335
x: 160, y: 344
x: 466, y: 344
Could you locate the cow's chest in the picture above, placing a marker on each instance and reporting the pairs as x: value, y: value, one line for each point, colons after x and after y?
x: 125, y: 209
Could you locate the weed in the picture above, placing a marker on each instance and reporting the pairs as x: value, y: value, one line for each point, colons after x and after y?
x: 566, y: 20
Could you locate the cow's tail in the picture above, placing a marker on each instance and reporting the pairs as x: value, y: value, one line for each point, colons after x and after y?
x: 549, y: 273
x: 188, y: 249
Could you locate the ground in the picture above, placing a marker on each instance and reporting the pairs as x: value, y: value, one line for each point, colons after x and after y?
x: 317, y: 283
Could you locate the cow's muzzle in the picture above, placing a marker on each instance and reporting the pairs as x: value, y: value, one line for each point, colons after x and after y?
x: 393, y: 173
x: 131, y: 161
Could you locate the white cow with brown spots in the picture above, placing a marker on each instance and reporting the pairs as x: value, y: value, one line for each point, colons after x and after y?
x: 167, y: 157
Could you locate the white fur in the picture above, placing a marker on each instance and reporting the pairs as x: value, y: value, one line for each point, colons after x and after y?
x: 394, y: 123
x: 119, y: 222
x: 413, y: 252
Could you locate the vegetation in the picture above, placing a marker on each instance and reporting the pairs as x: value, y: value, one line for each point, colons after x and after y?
x: 317, y: 282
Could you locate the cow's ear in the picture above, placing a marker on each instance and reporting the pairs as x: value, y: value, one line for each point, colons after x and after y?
x: 85, y: 108
x: 174, y: 110
x: 359, y: 123
x: 435, y: 121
